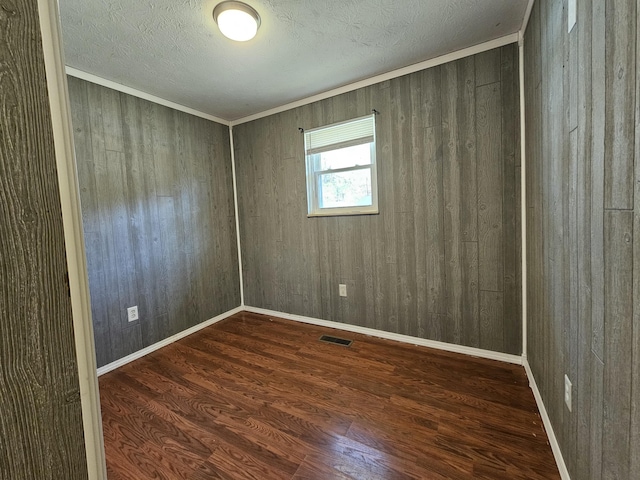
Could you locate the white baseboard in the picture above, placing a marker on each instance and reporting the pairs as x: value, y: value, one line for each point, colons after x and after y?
x: 167, y: 341
x: 553, y: 441
x: 449, y: 347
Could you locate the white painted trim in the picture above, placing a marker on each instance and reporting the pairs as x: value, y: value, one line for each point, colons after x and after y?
x: 523, y: 198
x: 450, y: 57
x: 525, y: 20
x: 235, y: 205
x: 89, y: 77
x: 167, y: 341
x: 449, y: 347
x: 74, y: 238
x: 553, y: 441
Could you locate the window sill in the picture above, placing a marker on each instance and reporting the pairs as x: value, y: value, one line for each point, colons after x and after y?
x: 338, y: 213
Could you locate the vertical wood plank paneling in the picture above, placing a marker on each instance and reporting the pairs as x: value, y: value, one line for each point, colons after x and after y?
x: 583, y: 248
x: 544, y: 186
x: 471, y: 295
x: 555, y: 131
x: 566, y: 161
x: 122, y: 258
x: 518, y: 266
x: 420, y: 158
x: 158, y: 213
x: 620, y: 59
x: 510, y: 131
x: 597, y: 175
x: 403, y: 120
x: 597, y: 236
x: 598, y: 63
x: 41, y: 431
x: 91, y: 221
x: 487, y: 67
x: 468, y: 161
x: 144, y: 226
x: 582, y: 304
x: 597, y: 412
x: 418, y: 266
x: 386, y: 228
x: 490, y: 173
x: 618, y: 297
x: 570, y: 327
x: 105, y: 251
x: 451, y: 173
x: 491, y: 321
x: 434, y: 207
x: 99, y: 311
x: 533, y: 109
x: 634, y: 460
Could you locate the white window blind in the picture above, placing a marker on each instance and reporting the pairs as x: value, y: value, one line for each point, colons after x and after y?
x: 341, y: 168
x: 340, y: 135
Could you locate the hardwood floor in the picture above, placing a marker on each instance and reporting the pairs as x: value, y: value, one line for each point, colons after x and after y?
x: 261, y: 398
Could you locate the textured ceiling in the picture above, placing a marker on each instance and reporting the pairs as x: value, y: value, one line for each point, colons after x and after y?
x: 172, y: 48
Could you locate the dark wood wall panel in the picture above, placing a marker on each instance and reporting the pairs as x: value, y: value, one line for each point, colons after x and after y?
x: 157, y: 201
x: 41, y: 432
x: 441, y: 260
x: 583, y: 229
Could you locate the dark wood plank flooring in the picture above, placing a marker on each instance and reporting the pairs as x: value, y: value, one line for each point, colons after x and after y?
x: 261, y: 398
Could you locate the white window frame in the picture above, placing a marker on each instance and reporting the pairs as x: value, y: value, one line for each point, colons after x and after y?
x: 314, y: 174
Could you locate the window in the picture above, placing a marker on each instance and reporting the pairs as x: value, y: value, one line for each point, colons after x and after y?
x: 341, y: 168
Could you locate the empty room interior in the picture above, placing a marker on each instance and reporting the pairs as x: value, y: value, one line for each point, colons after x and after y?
x: 371, y: 239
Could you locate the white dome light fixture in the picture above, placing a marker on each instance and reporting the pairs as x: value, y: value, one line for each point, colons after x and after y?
x: 236, y: 20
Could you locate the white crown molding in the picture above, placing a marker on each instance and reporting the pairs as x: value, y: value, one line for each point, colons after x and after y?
x: 449, y: 57
x: 553, y: 441
x: 449, y: 347
x: 525, y: 21
x: 167, y: 341
x: 89, y: 77
x: 416, y: 67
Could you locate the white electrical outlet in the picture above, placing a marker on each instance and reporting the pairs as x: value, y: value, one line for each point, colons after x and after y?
x: 342, y: 289
x: 132, y: 313
x: 567, y: 392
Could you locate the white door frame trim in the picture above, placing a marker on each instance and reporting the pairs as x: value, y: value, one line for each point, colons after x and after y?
x: 74, y: 238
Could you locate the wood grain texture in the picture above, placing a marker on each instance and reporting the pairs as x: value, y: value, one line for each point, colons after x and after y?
x: 618, y: 247
x: 257, y: 397
x: 157, y: 201
x: 490, y: 172
x: 441, y: 236
x: 510, y: 201
x: 634, y: 460
x: 584, y: 124
x: 582, y: 217
x: 620, y: 74
x: 41, y: 432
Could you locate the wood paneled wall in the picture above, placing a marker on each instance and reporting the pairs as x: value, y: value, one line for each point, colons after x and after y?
x: 441, y: 260
x: 41, y: 433
x: 158, y: 213
x: 583, y: 229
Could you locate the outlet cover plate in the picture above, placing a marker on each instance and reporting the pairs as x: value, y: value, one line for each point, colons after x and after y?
x: 567, y: 392
x: 132, y: 313
x: 342, y: 288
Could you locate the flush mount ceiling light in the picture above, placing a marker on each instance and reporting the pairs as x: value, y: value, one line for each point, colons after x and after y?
x: 236, y: 20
